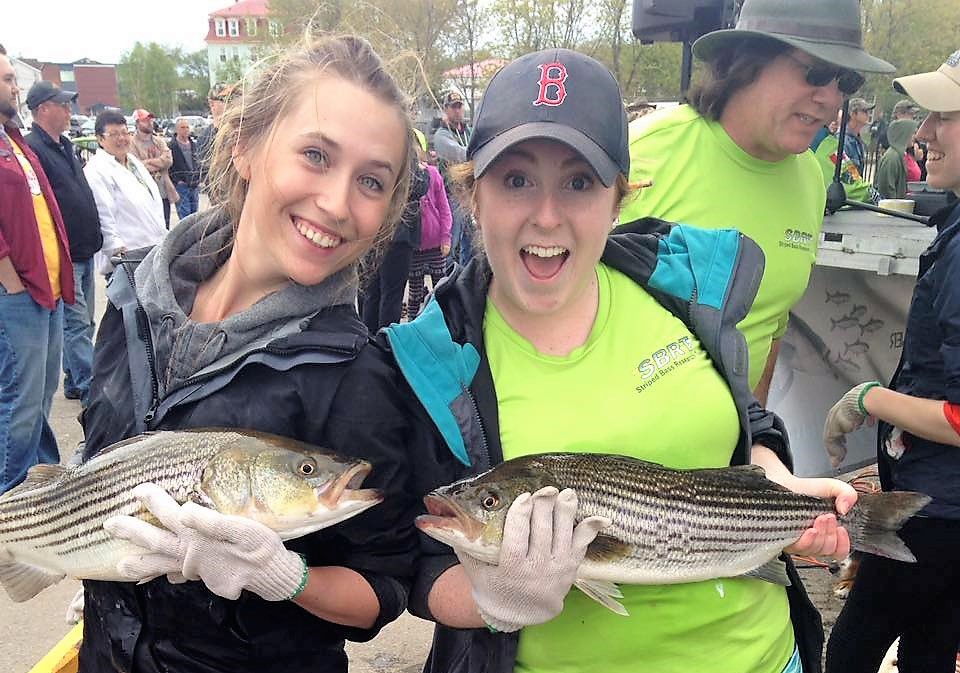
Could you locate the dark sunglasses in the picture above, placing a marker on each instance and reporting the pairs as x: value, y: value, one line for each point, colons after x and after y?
x: 848, y: 81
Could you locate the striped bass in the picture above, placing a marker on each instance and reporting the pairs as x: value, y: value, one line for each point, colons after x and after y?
x: 51, y: 525
x: 667, y: 526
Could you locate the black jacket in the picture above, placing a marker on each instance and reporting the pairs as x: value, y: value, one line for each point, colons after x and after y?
x: 462, y: 299
x: 326, y: 385
x: 79, y: 210
x: 180, y: 171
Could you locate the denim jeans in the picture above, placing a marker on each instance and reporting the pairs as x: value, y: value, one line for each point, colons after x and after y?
x: 189, y: 201
x: 78, y: 332
x: 30, y: 342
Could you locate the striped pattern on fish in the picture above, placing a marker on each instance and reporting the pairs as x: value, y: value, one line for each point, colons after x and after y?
x: 667, y: 526
x: 52, y: 524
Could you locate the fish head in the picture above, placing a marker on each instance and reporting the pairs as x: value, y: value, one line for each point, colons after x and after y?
x: 294, y: 489
x: 469, y: 515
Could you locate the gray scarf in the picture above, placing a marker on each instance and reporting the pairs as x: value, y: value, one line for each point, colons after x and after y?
x: 167, y: 280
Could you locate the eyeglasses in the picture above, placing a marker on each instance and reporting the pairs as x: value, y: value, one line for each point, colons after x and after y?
x: 848, y: 81
x: 117, y: 135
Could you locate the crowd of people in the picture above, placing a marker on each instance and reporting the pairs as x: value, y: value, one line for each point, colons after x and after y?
x: 548, y: 227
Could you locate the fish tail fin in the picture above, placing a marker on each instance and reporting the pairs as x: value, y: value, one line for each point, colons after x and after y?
x: 874, y: 521
x: 603, y: 592
x: 22, y: 582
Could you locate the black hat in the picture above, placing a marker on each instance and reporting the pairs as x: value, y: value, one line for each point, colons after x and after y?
x: 452, y: 98
x: 556, y: 94
x: 43, y: 91
x: 825, y: 29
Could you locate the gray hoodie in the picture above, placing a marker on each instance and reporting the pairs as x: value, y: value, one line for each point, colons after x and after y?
x: 167, y: 281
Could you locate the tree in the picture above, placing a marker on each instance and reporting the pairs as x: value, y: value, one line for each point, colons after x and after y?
x: 468, y: 24
x: 914, y: 35
x: 532, y: 25
x: 148, y: 78
x: 194, y: 79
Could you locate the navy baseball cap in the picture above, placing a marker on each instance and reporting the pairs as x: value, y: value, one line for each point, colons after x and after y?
x: 43, y: 91
x: 559, y: 95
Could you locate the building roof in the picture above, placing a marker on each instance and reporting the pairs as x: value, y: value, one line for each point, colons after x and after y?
x: 244, y: 8
x: 481, y: 69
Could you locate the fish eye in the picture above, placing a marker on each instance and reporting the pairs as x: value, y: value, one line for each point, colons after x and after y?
x: 489, y: 501
x: 307, y: 467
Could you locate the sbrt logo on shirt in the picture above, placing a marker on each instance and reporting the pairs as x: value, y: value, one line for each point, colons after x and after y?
x: 794, y: 238
x: 665, y: 360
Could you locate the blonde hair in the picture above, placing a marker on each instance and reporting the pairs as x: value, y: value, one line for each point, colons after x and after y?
x: 269, y: 90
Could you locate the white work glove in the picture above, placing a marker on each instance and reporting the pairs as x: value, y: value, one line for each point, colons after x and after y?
x: 75, y: 610
x: 844, y: 417
x: 228, y: 553
x: 539, y: 557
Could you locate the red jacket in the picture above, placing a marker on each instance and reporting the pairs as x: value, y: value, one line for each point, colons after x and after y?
x: 19, y: 232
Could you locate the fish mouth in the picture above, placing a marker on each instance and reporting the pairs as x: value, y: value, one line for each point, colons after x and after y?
x: 347, y: 487
x: 445, y: 514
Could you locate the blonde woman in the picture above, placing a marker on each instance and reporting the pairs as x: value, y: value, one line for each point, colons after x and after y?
x: 244, y: 316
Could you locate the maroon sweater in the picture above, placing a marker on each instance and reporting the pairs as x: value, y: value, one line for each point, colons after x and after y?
x: 19, y: 232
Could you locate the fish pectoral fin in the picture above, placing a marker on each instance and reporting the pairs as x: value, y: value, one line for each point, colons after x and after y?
x: 603, y: 592
x: 22, y: 581
x: 773, y: 571
x: 605, y: 548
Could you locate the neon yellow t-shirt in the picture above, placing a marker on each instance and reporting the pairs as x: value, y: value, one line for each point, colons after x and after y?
x: 48, y: 231
x: 642, y: 386
x: 701, y: 177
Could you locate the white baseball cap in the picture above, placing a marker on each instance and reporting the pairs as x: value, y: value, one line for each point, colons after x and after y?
x: 938, y: 91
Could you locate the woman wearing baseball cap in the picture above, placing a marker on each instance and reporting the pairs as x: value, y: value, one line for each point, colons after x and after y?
x: 558, y: 325
x: 918, y: 436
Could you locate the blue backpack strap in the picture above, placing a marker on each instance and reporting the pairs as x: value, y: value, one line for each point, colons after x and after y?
x: 123, y: 294
x: 439, y: 370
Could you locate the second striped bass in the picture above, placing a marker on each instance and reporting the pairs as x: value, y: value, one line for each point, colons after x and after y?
x: 51, y: 525
x: 667, y: 526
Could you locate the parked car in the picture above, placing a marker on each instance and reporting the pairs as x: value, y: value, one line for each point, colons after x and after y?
x: 76, y: 124
x: 197, y: 123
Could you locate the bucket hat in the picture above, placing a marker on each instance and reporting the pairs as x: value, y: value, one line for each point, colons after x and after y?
x: 826, y: 29
x: 939, y: 90
x: 556, y: 94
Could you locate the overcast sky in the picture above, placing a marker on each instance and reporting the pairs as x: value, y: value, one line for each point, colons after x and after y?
x: 62, y: 31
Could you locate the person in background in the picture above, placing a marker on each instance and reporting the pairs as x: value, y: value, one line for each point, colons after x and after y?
x: 185, y: 170
x: 826, y: 149
x: 381, y: 298
x: 737, y: 154
x: 450, y: 138
x: 51, y: 119
x: 890, y: 180
x: 861, y: 112
x: 918, y: 438
x: 639, y: 108
x: 912, y: 159
x: 431, y: 256
x: 150, y: 149
x: 128, y: 199
x: 244, y: 317
x: 555, y: 308
x: 217, y: 98
x: 36, y: 278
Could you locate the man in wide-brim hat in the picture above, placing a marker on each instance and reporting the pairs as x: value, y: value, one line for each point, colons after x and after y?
x: 736, y: 156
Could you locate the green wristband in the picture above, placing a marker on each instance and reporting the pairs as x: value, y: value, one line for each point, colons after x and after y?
x: 863, y: 392
x: 303, y: 579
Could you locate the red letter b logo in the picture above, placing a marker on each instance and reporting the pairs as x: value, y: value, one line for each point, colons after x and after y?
x: 552, y: 75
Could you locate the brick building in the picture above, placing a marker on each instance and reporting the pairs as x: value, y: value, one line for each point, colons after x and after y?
x: 95, y: 83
